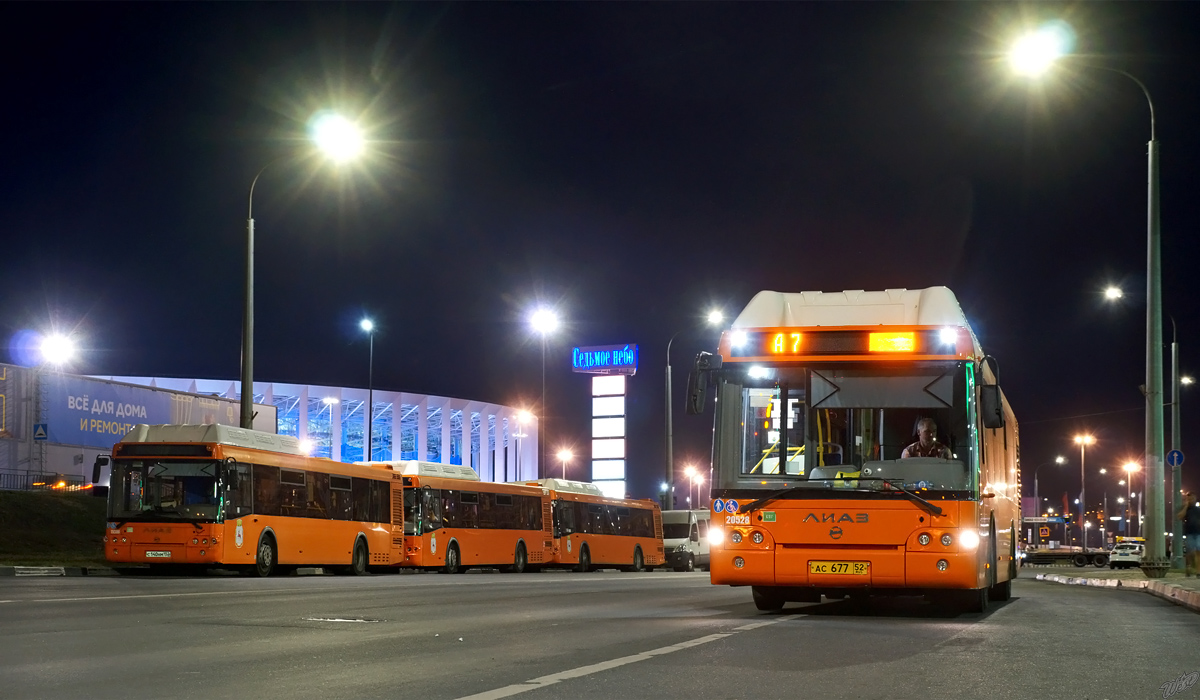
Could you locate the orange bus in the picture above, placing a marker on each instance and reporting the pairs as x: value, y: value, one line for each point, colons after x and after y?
x: 454, y: 522
x: 861, y: 446
x: 208, y: 496
x: 592, y: 531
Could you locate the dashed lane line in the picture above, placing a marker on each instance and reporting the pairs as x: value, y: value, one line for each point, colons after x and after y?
x: 551, y: 679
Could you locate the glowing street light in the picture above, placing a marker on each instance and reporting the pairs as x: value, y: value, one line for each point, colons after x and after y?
x: 565, y: 456
x: 57, y: 349
x: 1033, y: 54
x: 339, y: 140
x: 1113, y: 293
x: 337, y: 137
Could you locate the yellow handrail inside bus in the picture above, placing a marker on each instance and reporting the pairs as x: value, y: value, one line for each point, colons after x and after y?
x: 774, y: 448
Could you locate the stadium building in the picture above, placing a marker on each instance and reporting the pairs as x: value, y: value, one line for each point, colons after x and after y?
x: 53, y: 424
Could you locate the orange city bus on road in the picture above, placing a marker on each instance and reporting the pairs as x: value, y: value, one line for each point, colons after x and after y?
x: 591, y: 530
x: 453, y: 521
x: 817, y: 397
x: 207, y: 496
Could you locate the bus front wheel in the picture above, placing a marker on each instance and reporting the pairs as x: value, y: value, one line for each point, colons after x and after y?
x: 766, y: 599
x: 453, y: 563
x: 585, y: 560
x: 267, y: 559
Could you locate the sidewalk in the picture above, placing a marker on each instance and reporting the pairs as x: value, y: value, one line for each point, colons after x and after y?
x: 1175, y: 587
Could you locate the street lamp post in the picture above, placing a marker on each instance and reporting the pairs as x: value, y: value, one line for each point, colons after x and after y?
x: 1176, y: 444
x: 1083, y: 441
x: 367, y: 325
x: 544, y: 322
x: 1130, y: 469
x: 1032, y: 55
x: 340, y: 141
x: 1060, y: 460
x: 715, y: 317
x: 688, y: 472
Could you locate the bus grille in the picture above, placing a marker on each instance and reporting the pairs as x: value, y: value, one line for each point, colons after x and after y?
x: 398, y: 506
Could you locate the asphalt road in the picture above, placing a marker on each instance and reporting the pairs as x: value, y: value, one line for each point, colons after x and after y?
x: 554, y: 635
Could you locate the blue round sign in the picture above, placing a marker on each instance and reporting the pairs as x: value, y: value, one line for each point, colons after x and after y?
x: 718, y: 505
x: 1175, y: 458
x: 731, y: 506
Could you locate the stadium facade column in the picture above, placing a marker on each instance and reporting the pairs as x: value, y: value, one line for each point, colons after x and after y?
x: 423, y: 429
x: 444, y: 448
x: 335, y: 427
x: 302, y: 414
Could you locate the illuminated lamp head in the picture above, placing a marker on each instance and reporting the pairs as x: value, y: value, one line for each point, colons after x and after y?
x: 738, y: 339
x: 948, y: 336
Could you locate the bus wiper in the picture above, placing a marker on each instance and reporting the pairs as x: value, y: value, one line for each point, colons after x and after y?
x: 933, y: 509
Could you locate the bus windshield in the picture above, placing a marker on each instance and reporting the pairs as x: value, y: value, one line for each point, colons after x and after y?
x: 154, y: 490
x: 851, y: 427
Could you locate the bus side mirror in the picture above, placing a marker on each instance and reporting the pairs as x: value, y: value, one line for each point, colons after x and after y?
x: 101, y: 461
x: 698, y: 380
x: 232, y: 481
x: 991, y: 406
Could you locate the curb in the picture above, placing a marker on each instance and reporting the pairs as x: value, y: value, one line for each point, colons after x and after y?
x: 56, y: 571
x: 1167, y: 591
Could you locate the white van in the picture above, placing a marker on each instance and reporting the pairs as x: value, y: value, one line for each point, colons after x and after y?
x: 685, y: 539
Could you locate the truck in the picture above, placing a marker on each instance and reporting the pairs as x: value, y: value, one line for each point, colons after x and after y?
x: 685, y: 539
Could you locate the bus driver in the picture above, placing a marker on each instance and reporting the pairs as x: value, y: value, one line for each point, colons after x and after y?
x: 927, y: 445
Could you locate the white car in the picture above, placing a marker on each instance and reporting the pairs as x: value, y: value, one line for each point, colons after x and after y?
x: 1125, y: 555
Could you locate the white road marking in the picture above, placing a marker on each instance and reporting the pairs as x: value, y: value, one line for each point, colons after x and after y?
x: 551, y: 679
x: 482, y: 581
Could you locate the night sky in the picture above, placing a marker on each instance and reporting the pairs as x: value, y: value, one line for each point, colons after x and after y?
x: 630, y: 165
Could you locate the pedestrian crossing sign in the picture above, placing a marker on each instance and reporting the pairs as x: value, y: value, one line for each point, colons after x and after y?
x: 39, y: 431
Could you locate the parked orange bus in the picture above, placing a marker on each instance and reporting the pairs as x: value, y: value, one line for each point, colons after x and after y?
x: 861, y: 446
x: 207, y: 496
x: 592, y: 531
x: 454, y: 522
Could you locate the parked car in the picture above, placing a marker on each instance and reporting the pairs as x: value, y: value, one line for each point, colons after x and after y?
x: 1125, y: 555
x: 685, y: 539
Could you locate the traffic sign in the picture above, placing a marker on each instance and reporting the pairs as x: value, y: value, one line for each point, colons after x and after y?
x: 1036, y: 519
x: 39, y: 431
x: 1044, y: 532
x: 719, y: 505
x: 1175, y: 458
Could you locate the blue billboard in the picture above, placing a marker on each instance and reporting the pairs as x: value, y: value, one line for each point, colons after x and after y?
x: 95, y: 413
x: 605, y: 359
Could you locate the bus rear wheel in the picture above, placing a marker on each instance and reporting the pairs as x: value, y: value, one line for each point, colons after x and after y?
x: 520, y: 560
x: 358, y: 562
x: 639, y: 561
x: 267, y: 558
x: 766, y: 599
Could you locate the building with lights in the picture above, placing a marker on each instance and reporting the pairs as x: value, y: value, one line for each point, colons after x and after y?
x: 57, y: 423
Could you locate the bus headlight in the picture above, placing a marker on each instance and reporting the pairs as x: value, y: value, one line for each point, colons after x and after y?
x: 735, y: 537
x: 923, y: 538
x: 946, y: 540
x: 969, y: 539
x: 715, y: 536
x: 756, y: 537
